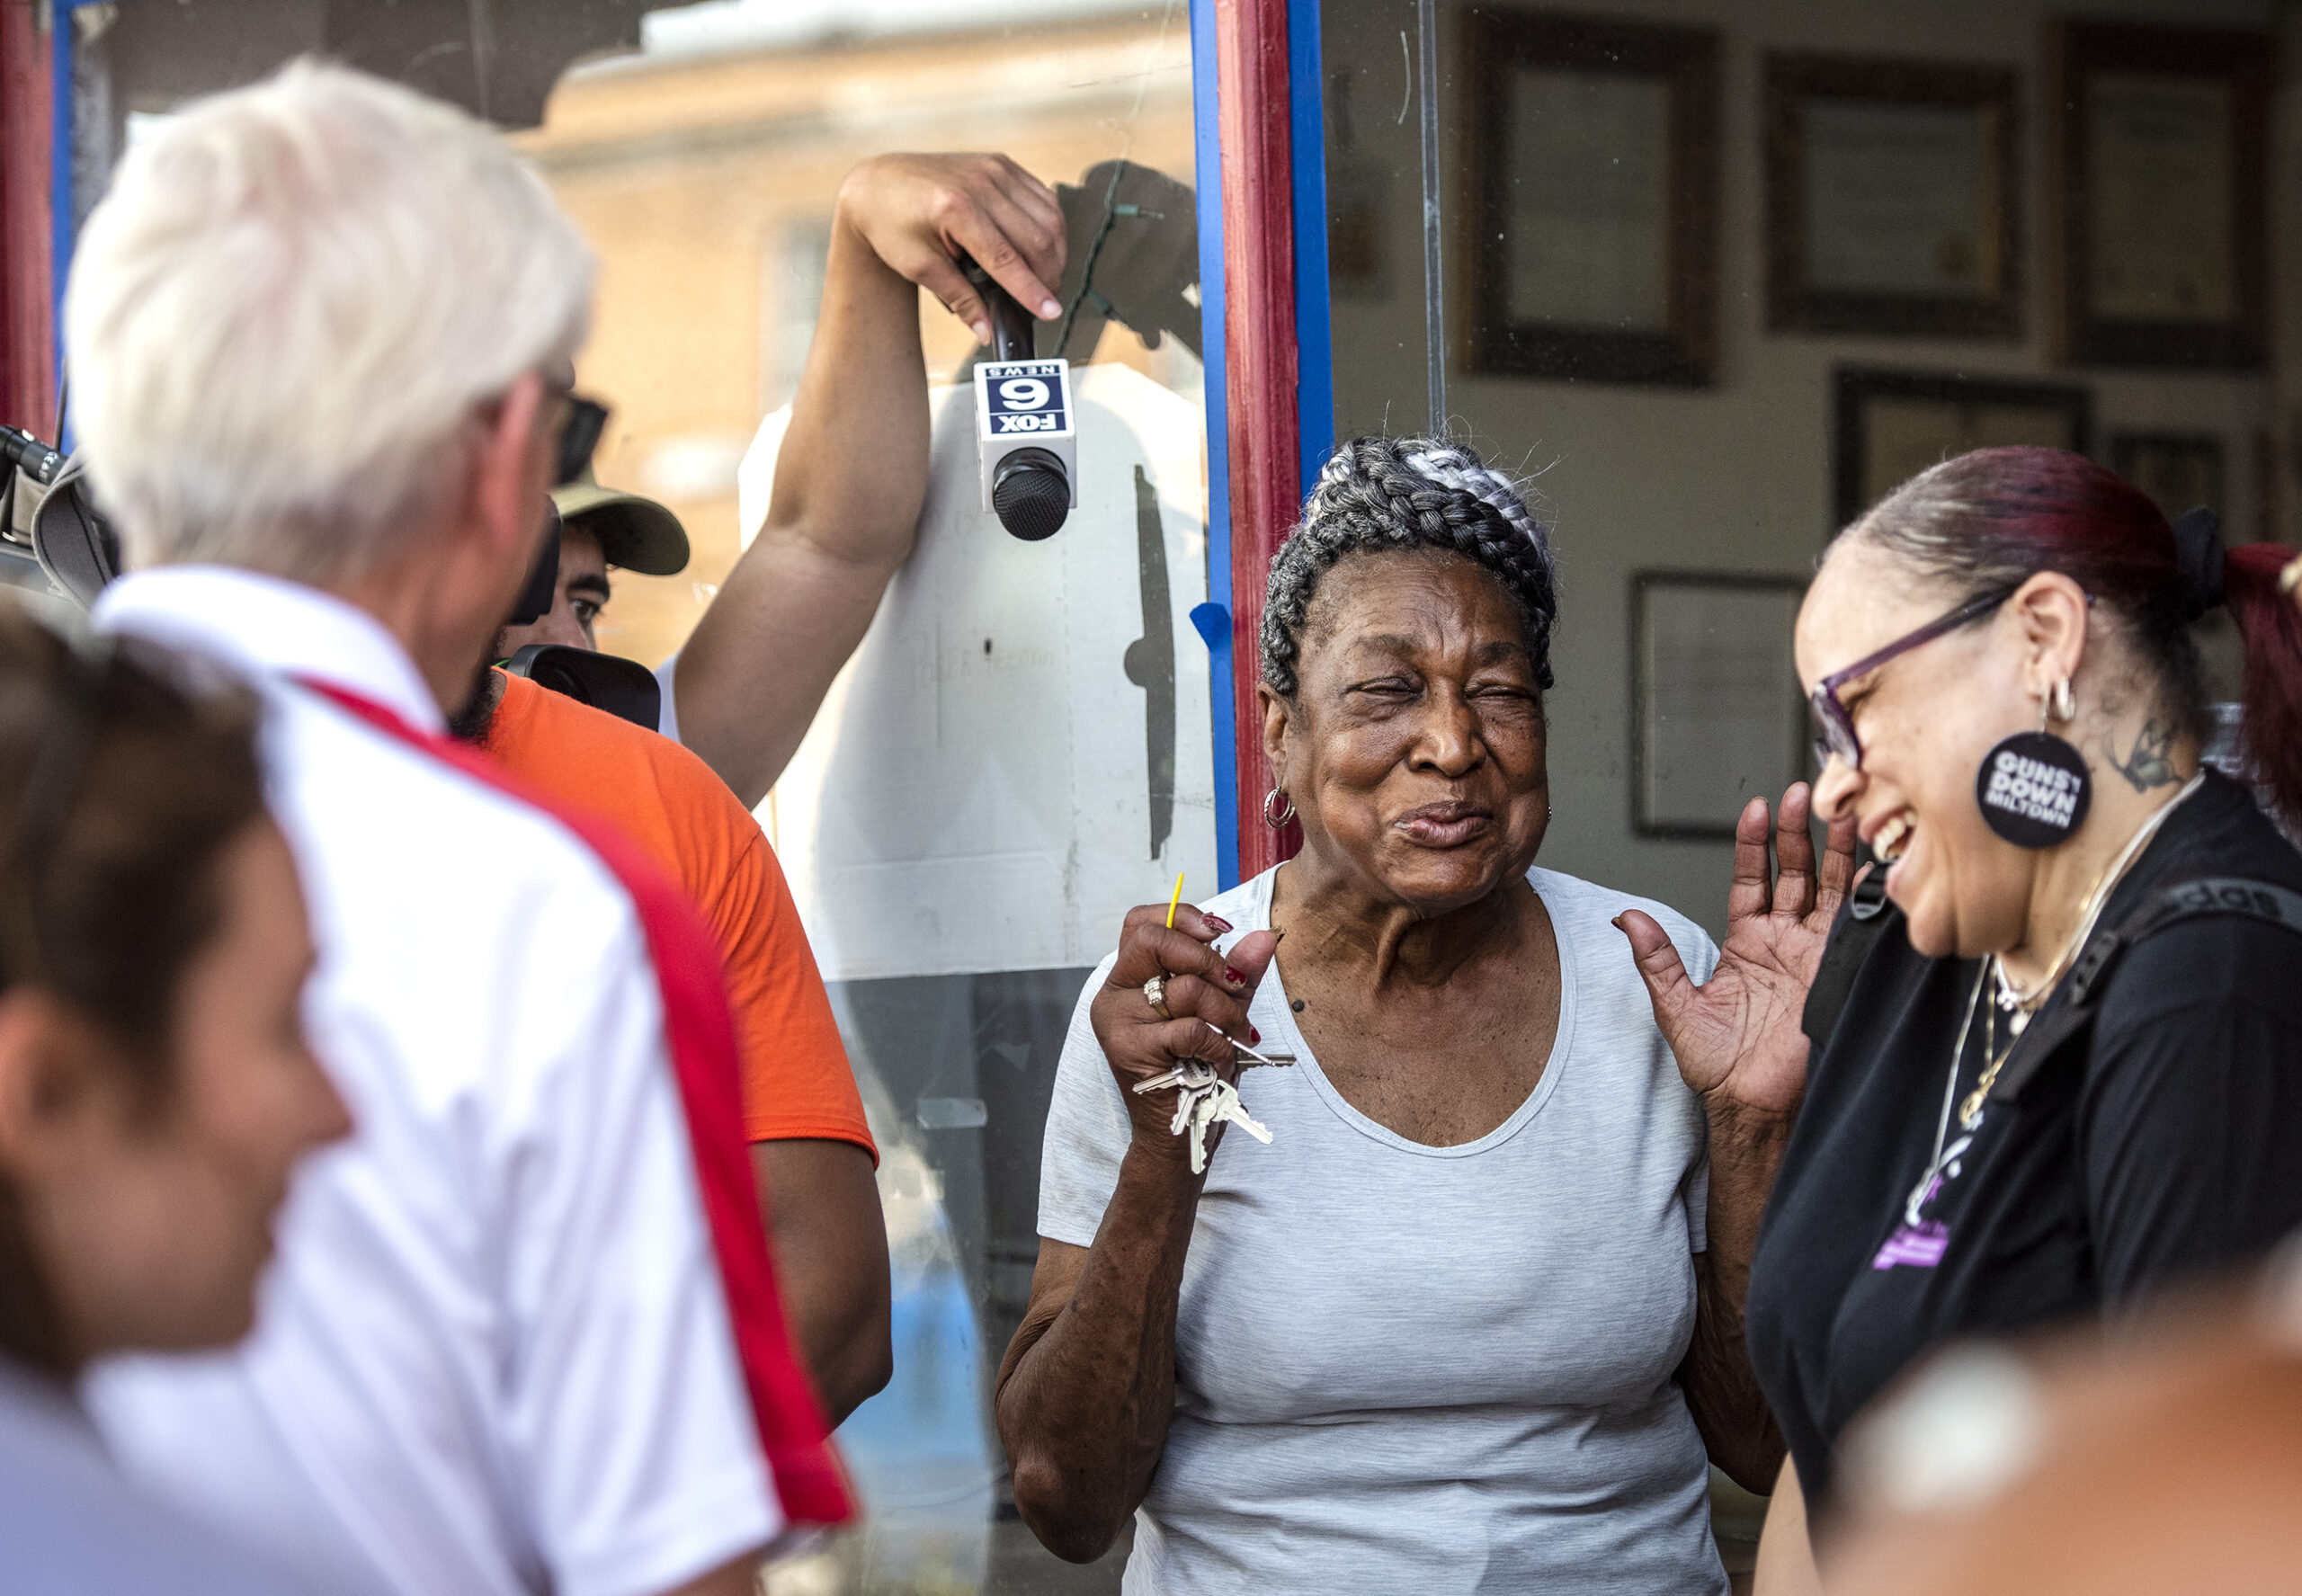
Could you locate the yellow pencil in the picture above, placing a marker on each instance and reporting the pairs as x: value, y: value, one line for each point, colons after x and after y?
x: 1175, y: 900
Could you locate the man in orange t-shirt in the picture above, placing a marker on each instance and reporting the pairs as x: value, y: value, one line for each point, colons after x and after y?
x: 847, y: 498
x: 811, y: 1149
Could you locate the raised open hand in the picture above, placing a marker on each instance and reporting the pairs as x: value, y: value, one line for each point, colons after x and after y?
x: 1737, y: 1034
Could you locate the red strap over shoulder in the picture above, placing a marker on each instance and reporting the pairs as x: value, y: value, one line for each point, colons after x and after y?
x: 700, y: 1038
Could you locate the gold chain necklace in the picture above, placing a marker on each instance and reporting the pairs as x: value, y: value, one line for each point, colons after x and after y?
x: 2021, y: 1004
x: 1970, y: 1111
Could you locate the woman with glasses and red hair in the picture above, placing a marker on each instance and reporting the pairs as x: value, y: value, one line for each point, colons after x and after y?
x: 2057, y: 1035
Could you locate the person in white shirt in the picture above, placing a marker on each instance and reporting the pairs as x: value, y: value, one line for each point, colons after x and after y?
x: 522, y: 1334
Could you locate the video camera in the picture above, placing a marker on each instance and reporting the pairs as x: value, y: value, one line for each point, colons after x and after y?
x: 47, y: 510
x: 48, y: 516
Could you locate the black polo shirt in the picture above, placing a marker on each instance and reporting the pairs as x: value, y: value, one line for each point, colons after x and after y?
x: 2163, y: 1141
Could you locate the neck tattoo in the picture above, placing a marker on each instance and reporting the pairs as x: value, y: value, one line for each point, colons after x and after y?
x: 2021, y: 1003
x: 2150, y: 763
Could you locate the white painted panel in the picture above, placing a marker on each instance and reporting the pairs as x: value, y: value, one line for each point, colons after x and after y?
x: 960, y: 808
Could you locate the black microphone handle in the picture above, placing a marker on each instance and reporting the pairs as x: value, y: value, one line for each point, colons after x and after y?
x: 1013, y: 333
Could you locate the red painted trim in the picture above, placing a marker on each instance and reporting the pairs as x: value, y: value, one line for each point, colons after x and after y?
x: 702, y: 1040
x: 27, y: 346
x: 1259, y: 346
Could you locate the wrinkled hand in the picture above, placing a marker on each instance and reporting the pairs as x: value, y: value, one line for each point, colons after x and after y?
x: 1202, y: 987
x: 1737, y: 1037
x: 918, y: 211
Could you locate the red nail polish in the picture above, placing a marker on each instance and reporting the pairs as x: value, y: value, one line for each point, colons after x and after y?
x: 1253, y: 1035
x: 1222, y: 927
x: 1234, y: 977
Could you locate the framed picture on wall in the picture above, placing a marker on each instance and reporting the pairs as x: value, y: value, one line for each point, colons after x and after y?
x: 1359, y: 207
x: 1592, y: 154
x: 2162, y: 162
x: 1717, y: 714
x: 2179, y: 470
x: 1891, y: 425
x: 1892, y: 198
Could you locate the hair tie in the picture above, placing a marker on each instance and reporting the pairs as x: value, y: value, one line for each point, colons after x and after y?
x: 2199, y: 556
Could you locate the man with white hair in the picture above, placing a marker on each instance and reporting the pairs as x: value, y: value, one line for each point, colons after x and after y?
x: 522, y: 1334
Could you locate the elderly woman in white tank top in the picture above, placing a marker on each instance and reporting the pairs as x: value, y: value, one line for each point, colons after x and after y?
x: 1472, y: 1319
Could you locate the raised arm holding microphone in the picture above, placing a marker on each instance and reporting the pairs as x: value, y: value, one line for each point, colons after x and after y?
x: 847, y: 498
x: 852, y: 472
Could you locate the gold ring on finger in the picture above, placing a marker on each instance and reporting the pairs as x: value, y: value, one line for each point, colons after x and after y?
x: 1154, y: 990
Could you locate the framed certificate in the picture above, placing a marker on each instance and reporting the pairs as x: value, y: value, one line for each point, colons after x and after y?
x: 1358, y: 204
x: 2161, y: 162
x: 1717, y: 718
x: 1593, y: 150
x: 1892, y: 198
x: 1893, y: 424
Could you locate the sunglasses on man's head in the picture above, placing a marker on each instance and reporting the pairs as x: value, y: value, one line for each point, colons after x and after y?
x: 579, y: 435
x: 1834, y: 726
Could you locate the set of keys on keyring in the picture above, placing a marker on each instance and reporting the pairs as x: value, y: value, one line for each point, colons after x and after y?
x: 1204, y: 1098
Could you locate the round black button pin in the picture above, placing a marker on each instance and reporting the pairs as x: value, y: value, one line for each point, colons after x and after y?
x: 2034, y: 789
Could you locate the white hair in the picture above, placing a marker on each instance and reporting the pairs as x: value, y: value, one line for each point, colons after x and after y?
x: 284, y: 314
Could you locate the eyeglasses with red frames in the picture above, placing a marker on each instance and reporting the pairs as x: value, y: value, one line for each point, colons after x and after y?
x: 1835, y: 728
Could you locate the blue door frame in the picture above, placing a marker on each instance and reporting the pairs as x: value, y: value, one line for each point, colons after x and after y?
x: 1314, y: 363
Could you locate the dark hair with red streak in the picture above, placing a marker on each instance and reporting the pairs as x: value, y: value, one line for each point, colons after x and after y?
x: 1987, y: 521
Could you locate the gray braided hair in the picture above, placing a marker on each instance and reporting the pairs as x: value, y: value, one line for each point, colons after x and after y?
x: 1407, y: 493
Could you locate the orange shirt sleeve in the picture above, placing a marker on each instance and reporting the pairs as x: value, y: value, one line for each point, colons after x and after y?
x: 797, y: 1083
x: 796, y: 1079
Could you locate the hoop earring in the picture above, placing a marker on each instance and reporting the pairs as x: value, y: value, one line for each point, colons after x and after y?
x: 1286, y: 811
x: 2034, y: 788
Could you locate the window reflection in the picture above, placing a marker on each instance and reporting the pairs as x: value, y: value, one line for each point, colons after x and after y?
x: 1020, y: 747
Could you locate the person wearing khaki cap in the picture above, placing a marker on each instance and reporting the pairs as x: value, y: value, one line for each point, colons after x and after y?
x: 750, y: 679
x: 744, y: 688
x: 812, y: 1153
x: 601, y: 528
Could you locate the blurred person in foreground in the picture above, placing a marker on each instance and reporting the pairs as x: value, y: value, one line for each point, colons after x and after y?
x: 154, y: 1084
x: 2039, y: 1092
x: 522, y: 1334
x: 2166, y: 1464
x: 847, y: 512
x: 1474, y: 1318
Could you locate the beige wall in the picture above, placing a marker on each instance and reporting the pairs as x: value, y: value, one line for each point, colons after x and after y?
x: 695, y: 178
x: 1735, y: 476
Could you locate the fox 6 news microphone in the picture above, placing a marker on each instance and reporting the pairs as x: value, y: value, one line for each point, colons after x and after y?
x: 1023, y: 425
